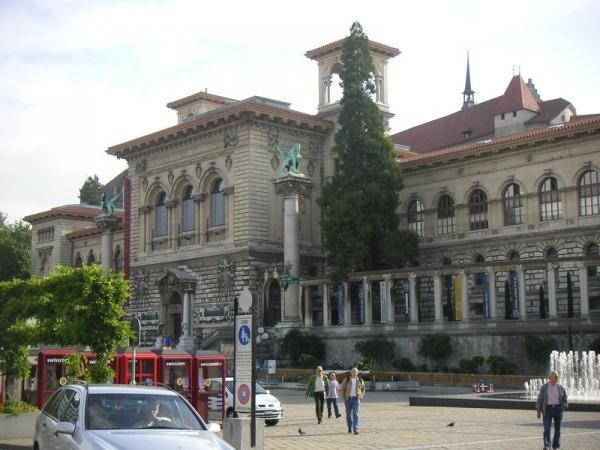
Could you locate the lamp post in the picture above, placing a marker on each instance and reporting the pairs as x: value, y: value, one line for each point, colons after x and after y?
x: 136, y: 321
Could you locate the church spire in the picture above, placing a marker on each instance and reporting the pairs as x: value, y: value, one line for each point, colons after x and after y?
x: 468, y: 94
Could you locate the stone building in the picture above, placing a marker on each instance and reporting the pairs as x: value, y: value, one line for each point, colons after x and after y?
x: 503, y: 194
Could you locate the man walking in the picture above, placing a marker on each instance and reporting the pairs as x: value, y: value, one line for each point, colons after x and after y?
x: 551, y: 402
x: 353, y: 390
x: 316, y: 387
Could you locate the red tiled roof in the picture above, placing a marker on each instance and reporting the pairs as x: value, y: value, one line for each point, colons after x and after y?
x: 476, y: 123
x: 517, y: 96
x: 69, y: 211
x: 231, y: 112
x: 508, y: 142
x: 376, y: 47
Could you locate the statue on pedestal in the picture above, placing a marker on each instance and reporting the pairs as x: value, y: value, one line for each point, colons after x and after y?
x: 108, y: 204
x: 291, y: 160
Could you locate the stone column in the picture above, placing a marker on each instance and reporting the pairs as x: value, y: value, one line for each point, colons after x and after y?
x: 584, y: 298
x: 412, y: 298
x: 172, y: 229
x: 464, y: 296
x: 368, y: 303
x: 347, y: 306
x: 437, y: 296
x: 186, y: 340
x: 492, y: 292
x: 325, y: 297
x: 290, y: 187
x: 389, y: 316
x: 307, y: 306
x: 552, y: 303
x: 107, y: 223
x: 522, y: 293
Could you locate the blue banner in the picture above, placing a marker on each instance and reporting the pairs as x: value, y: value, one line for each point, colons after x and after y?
x: 339, y: 288
x: 486, y: 296
x: 514, y: 292
x: 361, y: 303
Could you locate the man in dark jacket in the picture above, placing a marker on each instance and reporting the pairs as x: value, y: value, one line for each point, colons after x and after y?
x: 551, y: 402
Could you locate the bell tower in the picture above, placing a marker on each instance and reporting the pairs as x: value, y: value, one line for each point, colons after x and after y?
x: 329, y: 60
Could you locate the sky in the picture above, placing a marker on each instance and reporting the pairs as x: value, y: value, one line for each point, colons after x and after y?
x: 77, y: 77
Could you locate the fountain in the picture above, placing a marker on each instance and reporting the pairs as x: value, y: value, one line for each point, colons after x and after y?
x: 579, y: 374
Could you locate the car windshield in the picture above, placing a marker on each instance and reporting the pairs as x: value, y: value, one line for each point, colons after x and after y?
x: 128, y: 411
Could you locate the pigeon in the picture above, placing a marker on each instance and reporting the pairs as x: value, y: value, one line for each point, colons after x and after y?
x: 300, y: 432
x: 451, y: 424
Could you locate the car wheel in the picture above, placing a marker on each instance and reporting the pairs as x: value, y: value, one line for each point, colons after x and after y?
x: 271, y: 423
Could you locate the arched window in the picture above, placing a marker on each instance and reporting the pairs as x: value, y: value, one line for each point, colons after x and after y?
x: 550, y: 203
x: 415, y: 217
x: 513, y: 205
x: 478, y: 209
x: 592, y: 250
x: 445, y: 215
x: 217, y: 204
x: 188, y: 222
x: 514, y: 256
x: 550, y: 252
x: 161, y: 215
x: 478, y: 277
x: 589, y: 193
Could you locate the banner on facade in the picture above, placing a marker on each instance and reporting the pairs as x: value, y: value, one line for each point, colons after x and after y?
x: 514, y: 292
x: 486, y: 295
x: 339, y: 288
x: 406, y: 288
x: 383, y: 301
x: 458, y: 297
x: 361, y: 303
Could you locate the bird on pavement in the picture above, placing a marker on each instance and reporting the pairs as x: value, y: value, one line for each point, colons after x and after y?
x: 300, y: 432
x: 451, y: 424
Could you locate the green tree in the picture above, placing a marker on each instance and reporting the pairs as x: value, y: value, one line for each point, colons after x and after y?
x: 436, y: 347
x: 358, y: 203
x: 91, y: 191
x: 15, y: 249
x: 295, y: 344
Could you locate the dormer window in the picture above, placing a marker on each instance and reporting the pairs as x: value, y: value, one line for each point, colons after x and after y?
x: 514, y: 114
x: 502, y: 116
x: 467, y: 134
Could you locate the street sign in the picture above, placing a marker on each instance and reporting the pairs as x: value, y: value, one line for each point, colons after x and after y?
x: 243, y: 363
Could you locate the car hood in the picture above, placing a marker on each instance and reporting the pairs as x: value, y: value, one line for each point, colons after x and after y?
x: 159, y: 439
x: 266, y: 399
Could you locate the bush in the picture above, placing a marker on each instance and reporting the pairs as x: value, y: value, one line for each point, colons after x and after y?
x: 295, y: 343
x: 306, y: 361
x: 471, y: 365
x: 538, y: 348
x: 595, y: 345
x: 16, y: 407
x: 367, y: 364
x: 436, y: 347
x: 404, y: 364
x: 501, y: 366
x: 378, y: 349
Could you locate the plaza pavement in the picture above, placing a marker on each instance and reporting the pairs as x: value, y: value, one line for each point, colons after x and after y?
x: 387, y: 422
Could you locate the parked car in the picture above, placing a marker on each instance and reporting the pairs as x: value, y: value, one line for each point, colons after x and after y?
x: 268, y: 407
x: 122, y: 417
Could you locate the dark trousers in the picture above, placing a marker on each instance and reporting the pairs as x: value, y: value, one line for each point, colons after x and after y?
x: 332, y: 401
x: 552, y: 413
x: 319, y: 403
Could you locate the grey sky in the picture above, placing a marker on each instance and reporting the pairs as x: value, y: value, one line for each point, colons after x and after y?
x: 79, y: 76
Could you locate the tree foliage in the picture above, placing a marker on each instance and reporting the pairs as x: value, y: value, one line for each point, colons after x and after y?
x: 436, y: 347
x: 295, y: 344
x: 358, y: 203
x: 91, y: 191
x: 15, y: 249
x: 378, y: 349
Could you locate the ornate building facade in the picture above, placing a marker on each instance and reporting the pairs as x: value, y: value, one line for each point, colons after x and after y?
x: 503, y: 194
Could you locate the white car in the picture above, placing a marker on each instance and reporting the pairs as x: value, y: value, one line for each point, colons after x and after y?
x: 268, y: 406
x: 122, y: 417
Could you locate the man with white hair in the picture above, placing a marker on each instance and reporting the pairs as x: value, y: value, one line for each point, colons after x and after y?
x: 551, y: 402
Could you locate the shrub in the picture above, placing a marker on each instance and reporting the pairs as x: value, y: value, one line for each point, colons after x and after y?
x: 295, y: 343
x: 367, y: 364
x: 16, y: 407
x: 471, y: 365
x: 306, y: 361
x: 404, y: 364
x: 378, y: 349
x: 538, y: 348
x: 436, y: 347
x: 501, y: 366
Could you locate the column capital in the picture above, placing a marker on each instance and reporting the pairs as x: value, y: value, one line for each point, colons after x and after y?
x: 412, y: 275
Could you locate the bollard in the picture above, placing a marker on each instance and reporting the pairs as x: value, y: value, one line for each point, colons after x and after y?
x: 236, y: 432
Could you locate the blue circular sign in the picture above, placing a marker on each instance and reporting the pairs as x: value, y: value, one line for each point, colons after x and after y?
x: 244, y: 335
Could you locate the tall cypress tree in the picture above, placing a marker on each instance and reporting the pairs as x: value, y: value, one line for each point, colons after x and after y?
x: 358, y: 203
x: 91, y: 191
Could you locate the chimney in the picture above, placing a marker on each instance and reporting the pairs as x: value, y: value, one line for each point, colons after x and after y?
x: 533, y: 90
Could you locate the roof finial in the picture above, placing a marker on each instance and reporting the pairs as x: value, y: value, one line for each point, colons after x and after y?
x: 468, y: 93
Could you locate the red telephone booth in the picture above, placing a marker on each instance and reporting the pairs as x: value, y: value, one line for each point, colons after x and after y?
x: 209, y: 385
x: 145, y: 369
x: 175, y: 369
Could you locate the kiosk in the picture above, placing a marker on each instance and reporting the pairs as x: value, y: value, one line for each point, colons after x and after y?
x: 145, y: 369
x: 175, y: 369
x: 209, y: 385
